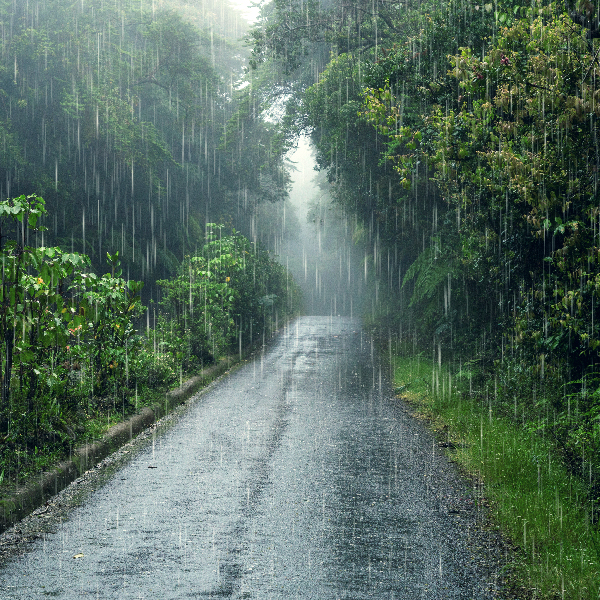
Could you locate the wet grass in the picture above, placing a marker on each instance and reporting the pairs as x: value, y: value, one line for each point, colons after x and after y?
x: 543, y: 509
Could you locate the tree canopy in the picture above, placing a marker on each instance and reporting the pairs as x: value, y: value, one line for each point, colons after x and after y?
x: 128, y: 120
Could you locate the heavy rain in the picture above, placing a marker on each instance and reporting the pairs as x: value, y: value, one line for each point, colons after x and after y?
x: 299, y: 299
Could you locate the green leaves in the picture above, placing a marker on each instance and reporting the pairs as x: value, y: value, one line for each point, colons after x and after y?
x: 29, y: 208
x: 200, y: 301
x: 53, y: 311
x: 229, y: 289
x: 432, y: 269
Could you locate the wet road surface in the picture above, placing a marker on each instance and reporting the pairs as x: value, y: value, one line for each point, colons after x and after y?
x: 296, y: 476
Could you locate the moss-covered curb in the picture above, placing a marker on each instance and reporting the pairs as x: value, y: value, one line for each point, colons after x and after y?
x: 36, y: 493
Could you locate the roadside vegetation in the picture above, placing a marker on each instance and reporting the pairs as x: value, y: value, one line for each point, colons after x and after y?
x: 462, y: 140
x: 136, y: 124
x: 542, y: 507
x: 79, y: 350
x: 144, y: 261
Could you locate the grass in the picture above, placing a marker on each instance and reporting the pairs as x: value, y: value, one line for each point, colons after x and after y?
x: 20, y: 464
x: 538, y: 504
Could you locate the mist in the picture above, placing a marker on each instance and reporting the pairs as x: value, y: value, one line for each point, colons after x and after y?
x: 319, y: 252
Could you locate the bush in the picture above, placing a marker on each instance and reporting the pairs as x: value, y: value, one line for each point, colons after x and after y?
x: 230, y: 293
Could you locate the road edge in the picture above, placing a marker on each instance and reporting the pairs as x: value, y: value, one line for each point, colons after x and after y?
x: 35, y: 493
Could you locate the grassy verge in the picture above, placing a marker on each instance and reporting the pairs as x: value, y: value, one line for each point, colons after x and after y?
x: 541, y: 507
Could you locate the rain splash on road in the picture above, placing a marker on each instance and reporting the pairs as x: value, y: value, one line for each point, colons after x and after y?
x: 296, y: 476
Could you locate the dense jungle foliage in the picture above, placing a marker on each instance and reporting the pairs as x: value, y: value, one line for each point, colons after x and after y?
x: 127, y: 129
x: 464, y: 139
x: 136, y: 125
x: 73, y: 357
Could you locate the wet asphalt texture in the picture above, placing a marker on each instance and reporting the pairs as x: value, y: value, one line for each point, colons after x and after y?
x: 298, y: 475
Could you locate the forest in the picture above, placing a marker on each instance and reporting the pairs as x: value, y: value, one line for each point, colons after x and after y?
x: 459, y: 140
x: 134, y: 159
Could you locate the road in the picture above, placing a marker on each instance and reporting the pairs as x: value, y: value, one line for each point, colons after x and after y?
x: 297, y: 475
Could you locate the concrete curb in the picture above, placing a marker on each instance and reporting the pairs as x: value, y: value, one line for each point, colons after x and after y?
x: 34, y: 494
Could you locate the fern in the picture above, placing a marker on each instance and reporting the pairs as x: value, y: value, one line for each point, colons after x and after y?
x: 431, y: 269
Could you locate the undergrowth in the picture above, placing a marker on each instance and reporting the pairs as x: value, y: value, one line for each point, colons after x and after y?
x: 85, y: 422
x: 545, y: 510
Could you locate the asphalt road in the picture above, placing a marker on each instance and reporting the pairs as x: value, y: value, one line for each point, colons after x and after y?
x: 296, y: 476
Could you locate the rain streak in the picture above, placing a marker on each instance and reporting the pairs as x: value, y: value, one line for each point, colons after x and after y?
x: 337, y: 262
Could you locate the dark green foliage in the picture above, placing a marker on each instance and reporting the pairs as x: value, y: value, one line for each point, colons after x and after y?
x: 65, y: 335
x: 117, y: 115
x: 224, y: 298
